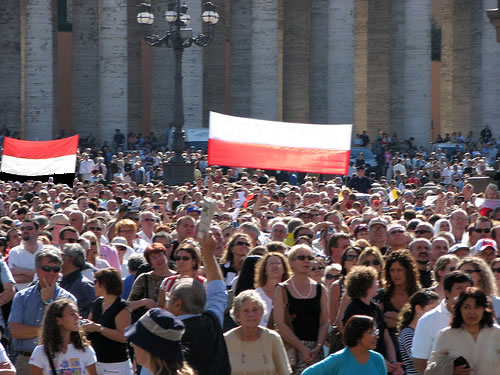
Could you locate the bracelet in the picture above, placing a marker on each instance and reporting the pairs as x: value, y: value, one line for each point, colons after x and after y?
x: 101, y: 329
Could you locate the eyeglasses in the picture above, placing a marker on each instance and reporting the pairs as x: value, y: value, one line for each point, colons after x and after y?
x: 397, y: 232
x: 305, y: 234
x: 184, y: 258
x: 375, y: 262
x: 148, y: 219
x: 126, y: 230
x: 329, y: 276
x: 304, y: 257
x: 374, y: 333
x: 497, y: 270
x: 317, y: 269
x: 351, y: 257
x: 121, y: 248
x: 27, y: 228
x: 95, y: 229
x: 55, y: 269
x: 241, y: 243
x: 70, y: 240
x: 422, y: 231
x: 479, y: 230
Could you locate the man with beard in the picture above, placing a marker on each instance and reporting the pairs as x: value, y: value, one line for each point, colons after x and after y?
x: 420, y: 250
x: 22, y: 257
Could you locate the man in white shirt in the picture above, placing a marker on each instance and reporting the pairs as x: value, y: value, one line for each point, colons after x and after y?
x: 438, y: 318
x: 147, y: 222
x: 86, y: 167
x: 22, y: 257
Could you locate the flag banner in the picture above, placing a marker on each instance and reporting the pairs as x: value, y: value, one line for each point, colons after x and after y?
x: 245, y: 142
x: 39, y: 158
x: 393, y: 195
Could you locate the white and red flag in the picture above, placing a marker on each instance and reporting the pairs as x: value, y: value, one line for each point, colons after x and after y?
x: 244, y: 142
x: 38, y: 158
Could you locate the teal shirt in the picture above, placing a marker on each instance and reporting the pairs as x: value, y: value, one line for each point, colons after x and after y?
x: 344, y: 363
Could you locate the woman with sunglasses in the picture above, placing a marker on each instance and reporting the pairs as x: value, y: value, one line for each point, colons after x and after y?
x: 372, y: 257
x: 93, y: 254
x: 359, y: 356
x: 332, y: 274
x: 237, y: 249
x: 308, y: 308
x: 400, y: 280
x: 444, y: 265
x: 348, y: 260
x: 188, y: 261
x: 482, y: 278
x: 271, y: 269
x: 317, y: 269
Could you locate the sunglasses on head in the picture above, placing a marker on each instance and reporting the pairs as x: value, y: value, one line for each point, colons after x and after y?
x: 375, y: 262
x: 351, y: 257
x: 304, y: 257
x: 329, y: 276
x: 241, y: 243
x: 50, y: 269
x: 470, y: 272
x: 479, y: 230
x: 184, y: 258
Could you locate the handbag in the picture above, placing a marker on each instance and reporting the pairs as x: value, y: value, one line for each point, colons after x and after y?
x: 51, y: 363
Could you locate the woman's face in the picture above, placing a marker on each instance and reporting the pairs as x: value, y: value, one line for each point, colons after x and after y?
x: 317, y: 271
x: 70, y: 320
x: 274, y: 267
x: 302, y: 263
x: 250, y: 314
x: 495, y: 267
x: 128, y: 232
x: 141, y: 355
x: 369, y: 339
x: 372, y: 260
x: 351, y: 259
x: 241, y: 246
x: 444, y: 227
x: 184, y: 262
x: 372, y: 291
x: 397, y: 273
x: 363, y: 235
x: 471, y: 313
x: 158, y: 259
x: 472, y: 271
x: 331, y: 277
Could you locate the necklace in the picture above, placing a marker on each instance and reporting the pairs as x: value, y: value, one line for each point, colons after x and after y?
x: 243, y: 355
x: 292, y: 283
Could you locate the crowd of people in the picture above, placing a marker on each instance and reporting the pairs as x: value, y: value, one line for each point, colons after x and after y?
x: 397, y: 271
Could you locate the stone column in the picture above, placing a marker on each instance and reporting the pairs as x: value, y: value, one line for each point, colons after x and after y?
x: 296, y: 60
x: 341, y: 64
x: 39, y: 74
x: 372, y: 66
x: 254, y: 59
x: 490, y: 77
x: 417, y: 72
x: 113, y: 74
x: 85, y: 67
x: 215, y: 69
x: 10, y: 65
x: 134, y: 68
x: 162, y: 76
x: 192, y: 70
x: 318, y: 93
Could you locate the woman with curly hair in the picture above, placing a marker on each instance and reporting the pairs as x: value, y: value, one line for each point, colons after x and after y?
x: 400, y: 280
x: 419, y: 303
x: 63, y: 345
x: 271, y: 269
x: 472, y: 335
x: 483, y: 278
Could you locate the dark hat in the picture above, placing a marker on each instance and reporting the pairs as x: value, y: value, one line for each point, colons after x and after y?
x: 159, y: 333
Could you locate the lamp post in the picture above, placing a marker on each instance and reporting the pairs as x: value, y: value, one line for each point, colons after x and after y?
x: 178, y: 37
x: 494, y: 15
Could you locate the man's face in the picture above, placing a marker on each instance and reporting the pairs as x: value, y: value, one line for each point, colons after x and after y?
x: 185, y: 229
x: 69, y: 237
x: 48, y: 272
x: 459, y: 220
x: 83, y: 204
x: 423, y: 231
x: 279, y: 232
x: 487, y: 254
x: 76, y: 220
x: 456, y: 290
x: 421, y: 252
x: 29, y: 232
x: 147, y: 222
x: 439, y: 248
x: 377, y: 233
x: 482, y: 230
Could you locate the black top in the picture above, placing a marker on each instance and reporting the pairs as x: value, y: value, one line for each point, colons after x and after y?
x: 362, y: 184
x: 107, y: 350
x: 305, y: 315
x: 358, y: 307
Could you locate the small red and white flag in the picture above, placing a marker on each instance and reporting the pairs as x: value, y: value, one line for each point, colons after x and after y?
x: 244, y: 142
x: 38, y: 158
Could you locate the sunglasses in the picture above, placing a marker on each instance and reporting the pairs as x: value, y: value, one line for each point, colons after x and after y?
x: 70, y: 240
x: 317, y: 269
x: 184, y: 258
x: 304, y: 257
x: 351, y: 257
x: 241, y: 243
x: 148, y: 219
x: 422, y: 231
x: 121, y: 248
x: 479, y: 230
x: 470, y: 272
x: 55, y: 269
x: 495, y: 270
x: 375, y: 262
x: 397, y: 232
x: 96, y: 229
x: 329, y: 276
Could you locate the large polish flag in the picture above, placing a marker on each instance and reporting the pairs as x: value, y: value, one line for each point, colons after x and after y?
x: 38, y: 158
x: 244, y: 142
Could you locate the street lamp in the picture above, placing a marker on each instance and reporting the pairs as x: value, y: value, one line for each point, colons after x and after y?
x: 178, y: 37
x: 494, y: 15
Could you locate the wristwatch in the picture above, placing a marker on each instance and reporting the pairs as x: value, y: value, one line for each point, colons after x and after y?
x: 47, y: 301
x: 101, y: 329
